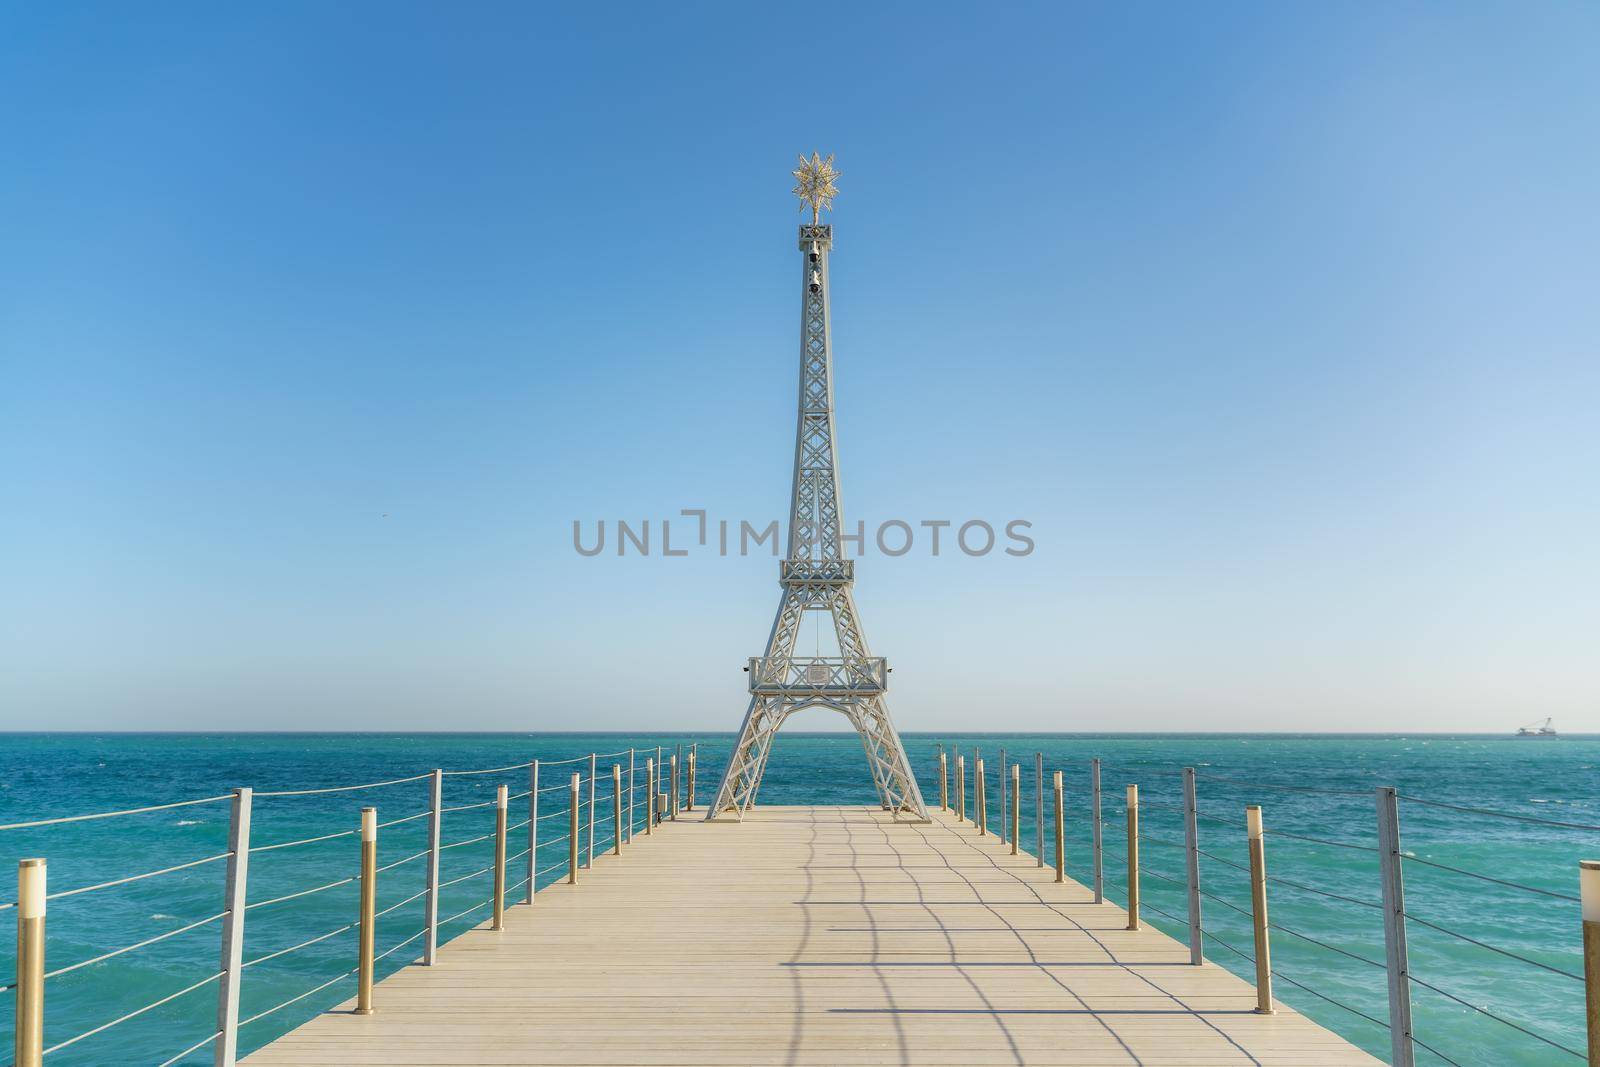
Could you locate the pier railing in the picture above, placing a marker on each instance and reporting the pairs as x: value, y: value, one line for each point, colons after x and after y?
x: 1206, y: 847
x: 1367, y: 888
x: 544, y: 820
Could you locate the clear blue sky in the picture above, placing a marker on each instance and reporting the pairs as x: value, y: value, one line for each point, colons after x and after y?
x: 1279, y: 322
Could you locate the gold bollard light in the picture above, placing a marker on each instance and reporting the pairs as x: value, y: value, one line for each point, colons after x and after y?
x: 1133, y: 857
x: 28, y: 1046
x: 1258, y: 909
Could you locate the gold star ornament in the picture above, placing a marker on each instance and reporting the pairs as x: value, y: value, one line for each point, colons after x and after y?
x: 814, y: 183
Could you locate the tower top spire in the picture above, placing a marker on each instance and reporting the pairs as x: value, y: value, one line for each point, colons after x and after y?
x: 814, y: 179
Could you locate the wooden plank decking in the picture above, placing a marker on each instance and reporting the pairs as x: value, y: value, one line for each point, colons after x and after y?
x: 813, y: 936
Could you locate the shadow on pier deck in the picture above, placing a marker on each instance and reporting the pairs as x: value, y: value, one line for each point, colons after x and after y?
x: 814, y: 936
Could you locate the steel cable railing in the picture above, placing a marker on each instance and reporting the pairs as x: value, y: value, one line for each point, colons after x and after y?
x: 340, y: 788
x: 1534, y: 819
x: 1305, y: 835
x: 1273, y: 925
x: 464, y: 912
x: 1497, y: 1018
x: 467, y: 807
x: 490, y: 770
x: 1497, y: 881
x: 1145, y: 870
x: 296, y: 999
x: 468, y: 841
x: 404, y: 819
x: 1231, y: 824
x: 392, y: 949
x: 136, y: 877
x: 301, y: 841
x: 113, y: 814
x: 1411, y: 917
x: 300, y: 893
x: 103, y: 1027
x: 196, y: 1047
x: 1324, y: 841
x: 1384, y: 1023
x: 1280, y: 880
x: 296, y: 948
x: 1226, y: 903
x: 480, y: 872
x: 1193, y: 817
x: 1164, y: 914
x: 601, y: 816
x: 397, y: 906
x: 402, y: 862
x: 136, y: 945
x: 1417, y: 1041
x: 1221, y: 860
x: 1319, y: 790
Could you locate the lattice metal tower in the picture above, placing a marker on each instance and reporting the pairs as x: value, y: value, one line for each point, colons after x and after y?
x: 815, y: 576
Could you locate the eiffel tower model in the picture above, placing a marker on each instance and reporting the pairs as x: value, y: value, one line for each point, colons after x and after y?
x: 815, y: 576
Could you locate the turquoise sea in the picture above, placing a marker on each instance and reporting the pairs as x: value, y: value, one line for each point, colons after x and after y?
x: 1524, y: 968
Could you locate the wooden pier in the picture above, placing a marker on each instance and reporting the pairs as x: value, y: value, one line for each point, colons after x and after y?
x: 813, y: 936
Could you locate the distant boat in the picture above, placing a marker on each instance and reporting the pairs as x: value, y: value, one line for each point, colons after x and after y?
x: 1538, y: 731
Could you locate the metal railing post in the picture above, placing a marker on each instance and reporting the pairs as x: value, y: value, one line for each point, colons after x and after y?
x: 1191, y: 847
x: 1038, y: 807
x: 977, y: 786
x: 977, y: 754
x: 616, y: 808
x: 694, y: 752
x: 1258, y: 909
x: 576, y: 798
x: 591, y: 810
x: 430, y: 899
x: 28, y: 1044
x: 649, y: 796
x: 533, y: 828
x: 1005, y: 810
x: 630, y: 794
x: 961, y: 788
x: 226, y: 1049
x: 1094, y: 833
x: 499, y: 922
x: 1398, y: 965
x: 672, y: 780
x: 944, y: 783
x: 1133, y: 857
x: 1061, y: 849
x: 367, y: 934
x: 1589, y: 895
x: 1016, y: 807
